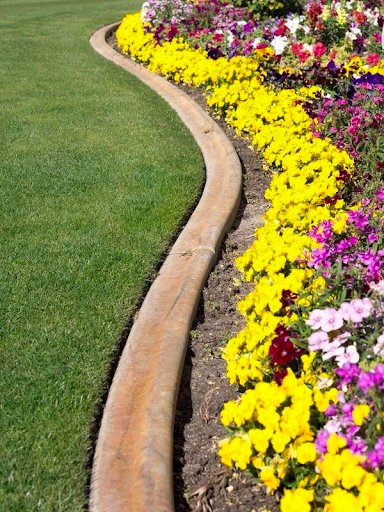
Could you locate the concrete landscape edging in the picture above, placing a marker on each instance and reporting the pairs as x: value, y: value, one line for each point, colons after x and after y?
x: 132, y: 469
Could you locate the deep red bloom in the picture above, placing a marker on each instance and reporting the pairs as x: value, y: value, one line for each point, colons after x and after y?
x: 173, y: 30
x: 282, y: 351
x: 279, y: 375
x: 288, y: 297
x: 281, y: 29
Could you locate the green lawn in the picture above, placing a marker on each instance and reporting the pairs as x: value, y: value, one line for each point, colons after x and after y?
x: 96, y: 174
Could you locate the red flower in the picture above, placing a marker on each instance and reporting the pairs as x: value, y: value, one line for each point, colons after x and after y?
x: 173, y: 30
x: 360, y: 17
x: 319, y: 49
x: 282, y: 351
x: 297, y: 48
x: 287, y: 298
x: 279, y: 375
x: 300, y: 52
x: 373, y: 59
x: 281, y: 29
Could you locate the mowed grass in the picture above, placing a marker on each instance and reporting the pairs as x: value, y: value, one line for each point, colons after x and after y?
x: 96, y: 175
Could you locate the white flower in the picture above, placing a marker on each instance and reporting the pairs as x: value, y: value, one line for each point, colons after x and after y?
x: 353, y: 33
x: 230, y: 37
x: 372, y: 16
x: 350, y: 355
x: 279, y: 44
x: 294, y: 23
x: 256, y: 42
x: 378, y: 349
x: 382, y: 38
x: 379, y: 287
x: 332, y: 426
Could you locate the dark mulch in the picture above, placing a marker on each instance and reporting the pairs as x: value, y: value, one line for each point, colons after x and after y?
x: 202, y: 484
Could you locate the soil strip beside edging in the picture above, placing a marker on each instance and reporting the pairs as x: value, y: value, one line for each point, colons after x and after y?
x: 132, y: 469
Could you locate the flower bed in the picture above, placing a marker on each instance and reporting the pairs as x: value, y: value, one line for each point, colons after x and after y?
x: 306, y: 90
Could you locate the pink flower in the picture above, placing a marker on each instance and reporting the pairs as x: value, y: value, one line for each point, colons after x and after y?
x: 314, y: 319
x: 332, y: 350
x: 373, y: 59
x: 356, y: 310
x: 342, y: 338
x: 331, y: 320
x: 361, y: 308
x: 317, y: 340
x: 350, y: 355
x: 319, y: 49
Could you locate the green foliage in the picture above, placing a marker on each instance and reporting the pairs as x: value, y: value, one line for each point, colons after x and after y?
x: 267, y: 8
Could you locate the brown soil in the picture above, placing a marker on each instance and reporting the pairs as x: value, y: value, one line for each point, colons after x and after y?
x: 202, y: 483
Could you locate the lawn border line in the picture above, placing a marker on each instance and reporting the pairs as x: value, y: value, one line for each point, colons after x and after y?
x: 132, y: 468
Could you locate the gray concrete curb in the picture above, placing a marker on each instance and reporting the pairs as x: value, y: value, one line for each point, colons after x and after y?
x: 132, y: 468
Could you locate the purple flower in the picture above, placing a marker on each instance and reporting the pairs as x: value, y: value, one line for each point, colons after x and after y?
x: 358, y: 218
x: 331, y: 410
x: 319, y: 258
x: 366, y: 381
x: 380, y: 194
x: 357, y: 445
x: 343, y: 245
x: 348, y: 373
x: 321, y: 441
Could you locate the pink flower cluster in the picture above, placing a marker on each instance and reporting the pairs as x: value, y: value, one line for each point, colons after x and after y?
x: 329, y: 336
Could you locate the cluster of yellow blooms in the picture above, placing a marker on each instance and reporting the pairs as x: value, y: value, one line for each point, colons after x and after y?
x: 275, y: 423
x: 271, y: 423
x: 308, y: 170
x: 176, y: 60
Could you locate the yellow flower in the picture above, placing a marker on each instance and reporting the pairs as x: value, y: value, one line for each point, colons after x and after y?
x: 306, y: 453
x: 360, y: 412
x: 342, y: 501
x: 352, y: 476
x: 236, y: 450
x: 298, y: 500
x: 267, y: 476
x: 335, y: 443
x: 260, y: 439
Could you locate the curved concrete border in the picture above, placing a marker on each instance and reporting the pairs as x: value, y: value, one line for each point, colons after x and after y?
x: 132, y: 469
